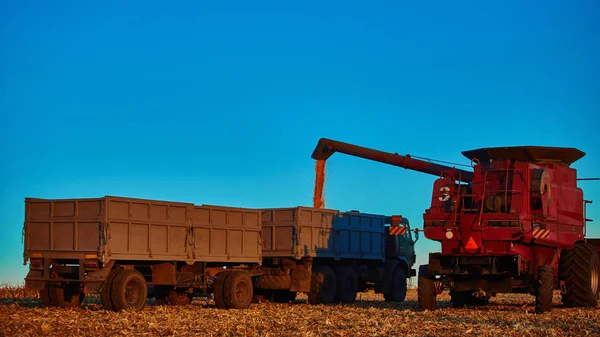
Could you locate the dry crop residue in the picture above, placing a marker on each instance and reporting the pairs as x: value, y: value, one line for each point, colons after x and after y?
x: 318, y: 198
x: 507, y: 315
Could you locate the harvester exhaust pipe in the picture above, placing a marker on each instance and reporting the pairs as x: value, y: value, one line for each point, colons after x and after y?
x: 327, y: 147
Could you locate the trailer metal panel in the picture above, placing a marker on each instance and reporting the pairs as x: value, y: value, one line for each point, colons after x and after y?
x: 312, y: 232
x: 120, y: 228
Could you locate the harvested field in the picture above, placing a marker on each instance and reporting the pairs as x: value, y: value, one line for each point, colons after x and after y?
x: 507, y: 315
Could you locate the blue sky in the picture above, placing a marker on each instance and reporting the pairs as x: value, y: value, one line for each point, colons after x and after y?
x: 224, y: 103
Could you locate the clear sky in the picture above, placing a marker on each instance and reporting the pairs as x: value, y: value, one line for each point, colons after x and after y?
x: 224, y: 103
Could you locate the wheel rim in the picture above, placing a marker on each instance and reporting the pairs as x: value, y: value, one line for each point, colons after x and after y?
x: 132, y: 292
x: 241, y: 291
x: 594, y: 279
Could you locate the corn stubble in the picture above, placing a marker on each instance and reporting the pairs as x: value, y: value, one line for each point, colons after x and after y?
x: 507, y: 315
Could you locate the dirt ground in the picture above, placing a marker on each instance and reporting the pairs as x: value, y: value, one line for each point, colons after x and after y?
x: 507, y: 315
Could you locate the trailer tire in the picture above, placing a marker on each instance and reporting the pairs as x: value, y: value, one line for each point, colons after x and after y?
x: 122, y: 298
x: 426, y: 290
x: 347, y: 284
x: 238, y: 290
x: 218, y: 284
x: 322, y: 285
x: 545, y: 289
x: 580, y: 270
x: 105, y: 292
x: 397, y: 286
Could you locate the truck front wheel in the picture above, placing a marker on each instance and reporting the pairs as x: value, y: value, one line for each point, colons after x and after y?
x: 397, y: 286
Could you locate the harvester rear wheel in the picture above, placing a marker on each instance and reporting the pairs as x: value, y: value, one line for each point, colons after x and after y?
x: 580, y: 269
x: 426, y: 289
x: 545, y: 289
x: 322, y: 285
x: 238, y: 290
x: 397, y: 286
x: 347, y: 284
x: 128, y: 290
x: 105, y: 292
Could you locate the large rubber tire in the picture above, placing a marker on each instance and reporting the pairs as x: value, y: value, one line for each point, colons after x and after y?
x: 105, y: 292
x: 218, y: 284
x: 129, y: 290
x: 347, y: 284
x: 397, y: 286
x: 68, y: 296
x: 323, y: 285
x: 238, y: 290
x: 580, y: 269
x: 545, y: 289
x: 426, y: 290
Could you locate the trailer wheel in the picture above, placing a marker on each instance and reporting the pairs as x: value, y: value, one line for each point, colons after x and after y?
x: 397, y: 286
x: 545, y: 289
x: 68, y: 296
x: 105, y: 292
x: 218, y: 284
x: 128, y: 290
x: 347, y: 284
x: 322, y: 285
x: 580, y: 269
x: 238, y: 290
x: 426, y: 290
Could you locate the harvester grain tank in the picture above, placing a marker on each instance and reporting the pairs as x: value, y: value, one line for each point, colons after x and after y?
x: 516, y: 224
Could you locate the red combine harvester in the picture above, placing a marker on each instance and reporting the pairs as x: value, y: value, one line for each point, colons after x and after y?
x: 516, y: 224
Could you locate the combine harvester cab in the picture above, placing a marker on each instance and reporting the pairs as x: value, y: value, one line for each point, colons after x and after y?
x: 516, y: 224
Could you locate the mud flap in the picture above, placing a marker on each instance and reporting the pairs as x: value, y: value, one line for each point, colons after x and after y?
x: 301, y: 276
x: 95, y: 279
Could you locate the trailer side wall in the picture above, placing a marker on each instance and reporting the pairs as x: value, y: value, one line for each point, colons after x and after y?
x: 322, y: 233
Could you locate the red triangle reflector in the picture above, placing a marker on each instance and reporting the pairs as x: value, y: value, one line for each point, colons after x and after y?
x: 471, y: 244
